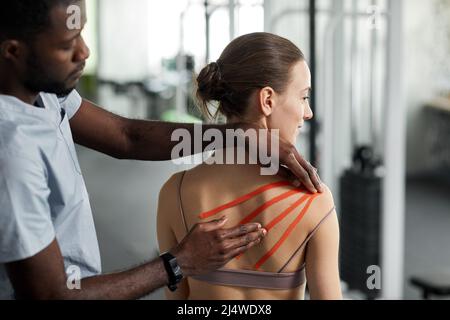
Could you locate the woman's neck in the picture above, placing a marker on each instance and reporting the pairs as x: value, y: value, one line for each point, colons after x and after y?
x: 231, y: 156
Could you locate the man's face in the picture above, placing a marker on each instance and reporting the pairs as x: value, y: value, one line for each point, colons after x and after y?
x: 56, y: 58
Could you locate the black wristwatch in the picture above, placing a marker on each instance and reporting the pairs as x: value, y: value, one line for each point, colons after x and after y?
x: 173, y: 270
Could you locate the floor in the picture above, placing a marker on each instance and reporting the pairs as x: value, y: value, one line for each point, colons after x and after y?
x: 124, y: 199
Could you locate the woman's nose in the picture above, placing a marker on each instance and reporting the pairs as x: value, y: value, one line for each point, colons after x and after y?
x: 308, y: 113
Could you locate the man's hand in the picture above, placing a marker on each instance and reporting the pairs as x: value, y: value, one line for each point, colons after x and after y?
x: 293, y: 167
x: 208, y: 246
x: 298, y: 168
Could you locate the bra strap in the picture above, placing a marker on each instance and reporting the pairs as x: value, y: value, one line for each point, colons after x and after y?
x: 180, y: 203
x: 311, y: 234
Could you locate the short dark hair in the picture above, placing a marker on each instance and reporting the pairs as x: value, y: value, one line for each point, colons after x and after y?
x: 24, y: 19
x: 248, y: 63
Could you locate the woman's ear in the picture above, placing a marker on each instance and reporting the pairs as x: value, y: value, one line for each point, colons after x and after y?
x: 267, y: 100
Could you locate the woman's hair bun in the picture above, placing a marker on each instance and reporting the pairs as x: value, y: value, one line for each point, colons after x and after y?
x: 209, y: 83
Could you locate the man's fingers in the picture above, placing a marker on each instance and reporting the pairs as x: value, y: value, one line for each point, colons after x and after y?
x: 240, y: 230
x: 287, y: 174
x: 320, y: 184
x: 311, y: 178
x: 300, y: 173
x: 244, y: 240
x: 213, y: 225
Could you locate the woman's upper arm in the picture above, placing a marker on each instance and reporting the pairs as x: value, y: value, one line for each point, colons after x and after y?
x: 322, y: 258
x: 167, y: 213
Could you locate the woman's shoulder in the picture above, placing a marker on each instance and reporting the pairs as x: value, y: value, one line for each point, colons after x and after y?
x: 325, y: 198
x: 173, y: 179
x: 171, y: 189
x: 171, y: 186
x: 321, y: 206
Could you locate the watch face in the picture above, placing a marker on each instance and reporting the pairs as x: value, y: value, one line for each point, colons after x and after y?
x: 173, y: 270
x: 177, y: 270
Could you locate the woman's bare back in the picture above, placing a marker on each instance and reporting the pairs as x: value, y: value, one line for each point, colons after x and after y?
x: 240, y: 193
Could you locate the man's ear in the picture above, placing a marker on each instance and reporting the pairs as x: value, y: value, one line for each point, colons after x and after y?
x: 267, y: 100
x: 11, y: 50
